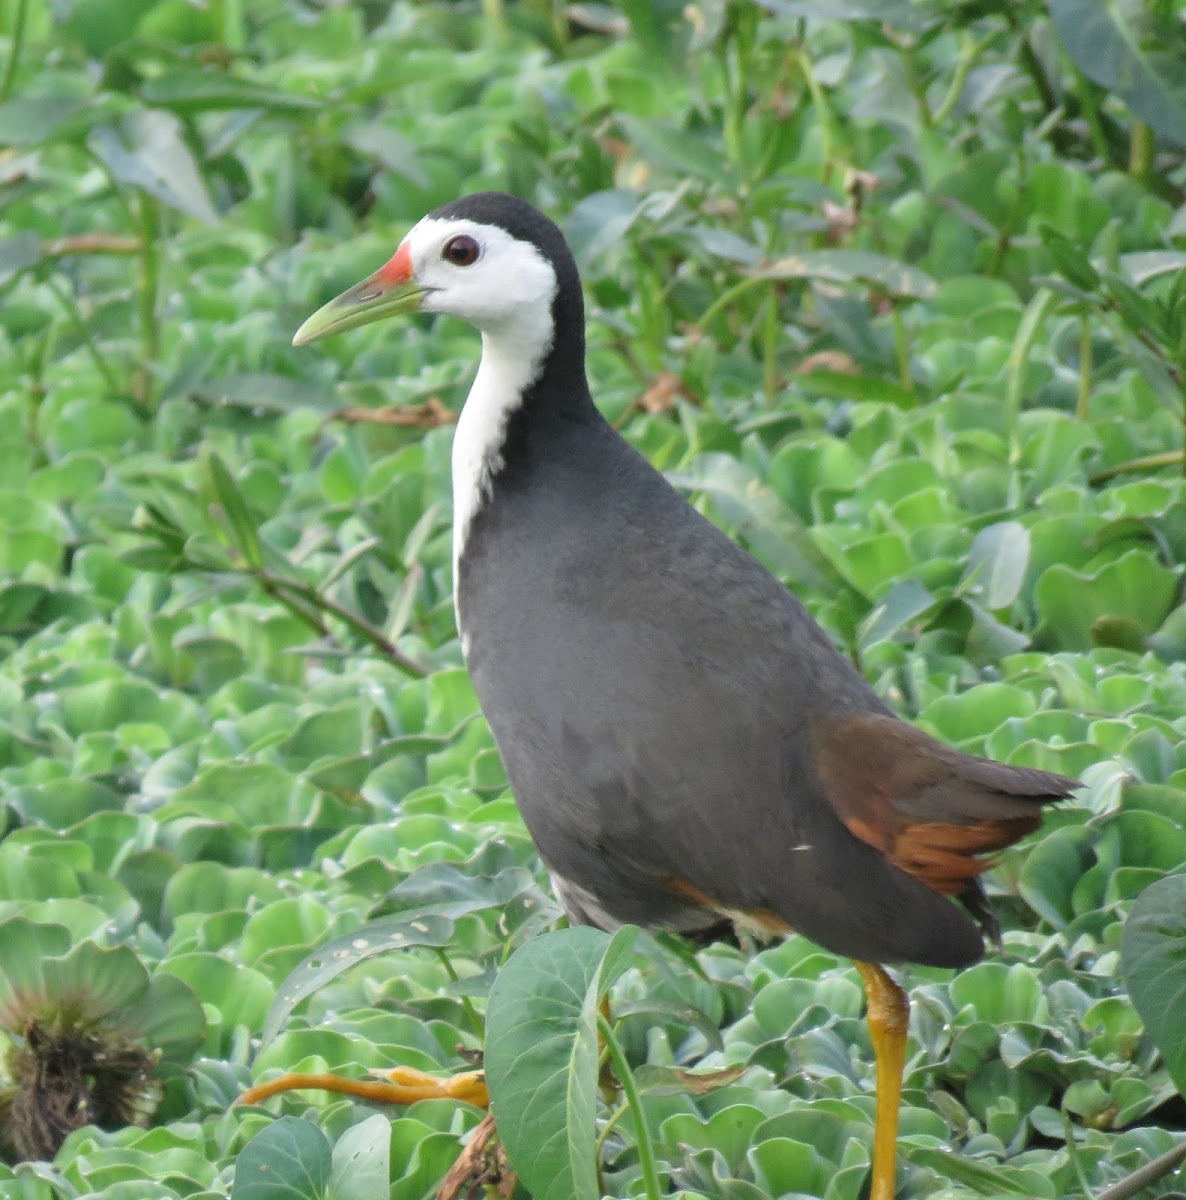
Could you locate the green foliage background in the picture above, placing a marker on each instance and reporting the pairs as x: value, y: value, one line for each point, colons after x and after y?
x: 894, y: 289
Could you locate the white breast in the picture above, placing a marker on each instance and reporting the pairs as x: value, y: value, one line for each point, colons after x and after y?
x: 511, y: 362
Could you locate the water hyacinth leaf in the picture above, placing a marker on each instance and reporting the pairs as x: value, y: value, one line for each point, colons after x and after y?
x: 853, y: 266
x: 541, y: 1056
x: 659, y: 1009
x: 169, y: 1015
x: 661, y: 1080
x: 147, y: 149
x: 289, y: 1159
x: 18, y: 253
x: 1136, y: 587
x: 25, y: 947
x: 205, y: 91
x: 997, y: 563
x: 329, y: 961
x: 1110, y: 52
x: 841, y: 385
x: 29, y: 121
x: 903, y: 603
x: 361, y: 1165
x: 981, y: 1178
x: 1143, y: 266
x: 898, y: 13
x: 453, y: 890
x: 102, y: 25
x: 1153, y: 958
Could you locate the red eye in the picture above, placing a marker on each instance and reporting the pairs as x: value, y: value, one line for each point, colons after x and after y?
x: 462, y: 250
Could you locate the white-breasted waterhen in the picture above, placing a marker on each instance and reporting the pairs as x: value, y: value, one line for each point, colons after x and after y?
x: 683, y: 740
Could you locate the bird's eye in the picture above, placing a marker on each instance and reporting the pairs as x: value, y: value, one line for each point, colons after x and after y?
x: 462, y: 250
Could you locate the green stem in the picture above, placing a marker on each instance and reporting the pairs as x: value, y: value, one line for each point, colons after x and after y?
x: 1031, y: 63
x: 770, y: 346
x: 902, y: 344
x: 17, y: 45
x: 1147, y: 462
x: 471, y: 1013
x: 646, y: 1152
x: 228, y: 21
x: 150, y: 265
x: 496, y: 17
x: 1140, y: 151
x: 610, y: 1125
x: 731, y: 126
x: 68, y: 302
x: 1155, y: 1169
x: 969, y: 57
x: 917, y: 88
x: 307, y: 597
x: 727, y: 297
x: 1091, y: 111
x: 1031, y: 322
x: 1085, y: 367
x: 823, y: 114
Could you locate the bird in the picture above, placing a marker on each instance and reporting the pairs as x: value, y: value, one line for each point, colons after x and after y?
x: 685, y: 743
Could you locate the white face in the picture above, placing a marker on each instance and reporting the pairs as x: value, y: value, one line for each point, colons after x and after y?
x: 481, y: 274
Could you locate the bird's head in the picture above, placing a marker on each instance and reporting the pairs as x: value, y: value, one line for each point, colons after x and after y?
x: 490, y: 259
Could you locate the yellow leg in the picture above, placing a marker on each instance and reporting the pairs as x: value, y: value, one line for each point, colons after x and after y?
x: 889, y: 1013
x: 402, y: 1085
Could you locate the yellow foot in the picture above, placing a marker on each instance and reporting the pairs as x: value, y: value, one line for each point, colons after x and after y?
x: 400, y: 1085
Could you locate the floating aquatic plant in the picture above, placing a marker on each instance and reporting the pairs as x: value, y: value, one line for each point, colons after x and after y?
x: 87, y: 1029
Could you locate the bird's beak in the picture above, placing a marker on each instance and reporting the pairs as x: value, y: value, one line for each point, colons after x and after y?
x: 390, y: 291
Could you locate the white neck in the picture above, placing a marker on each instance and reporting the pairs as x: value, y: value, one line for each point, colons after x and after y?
x: 512, y: 358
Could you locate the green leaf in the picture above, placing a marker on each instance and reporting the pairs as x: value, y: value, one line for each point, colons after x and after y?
x: 1135, y: 587
x: 362, y: 1161
x: 209, y: 90
x: 842, y: 386
x: 101, y: 25
x: 853, y: 266
x: 1070, y: 260
x: 327, y: 962
x: 1104, y: 45
x: 1153, y: 958
x: 225, y: 491
x: 541, y: 1056
x: 147, y: 149
x: 290, y: 1159
x: 19, y: 252
x: 997, y: 564
x: 903, y: 603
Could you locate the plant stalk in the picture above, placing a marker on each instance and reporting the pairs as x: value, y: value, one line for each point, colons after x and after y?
x: 1142, y: 1177
x: 823, y: 111
x: 68, y: 302
x: 150, y: 265
x: 902, y: 345
x: 969, y: 57
x: 15, y: 48
x: 1147, y: 462
x: 646, y: 1152
x: 1085, y: 367
x: 302, y: 597
x: 770, y: 346
x: 1031, y: 322
x: 471, y: 1013
x: 1140, y: 151
x: 496, y: 17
